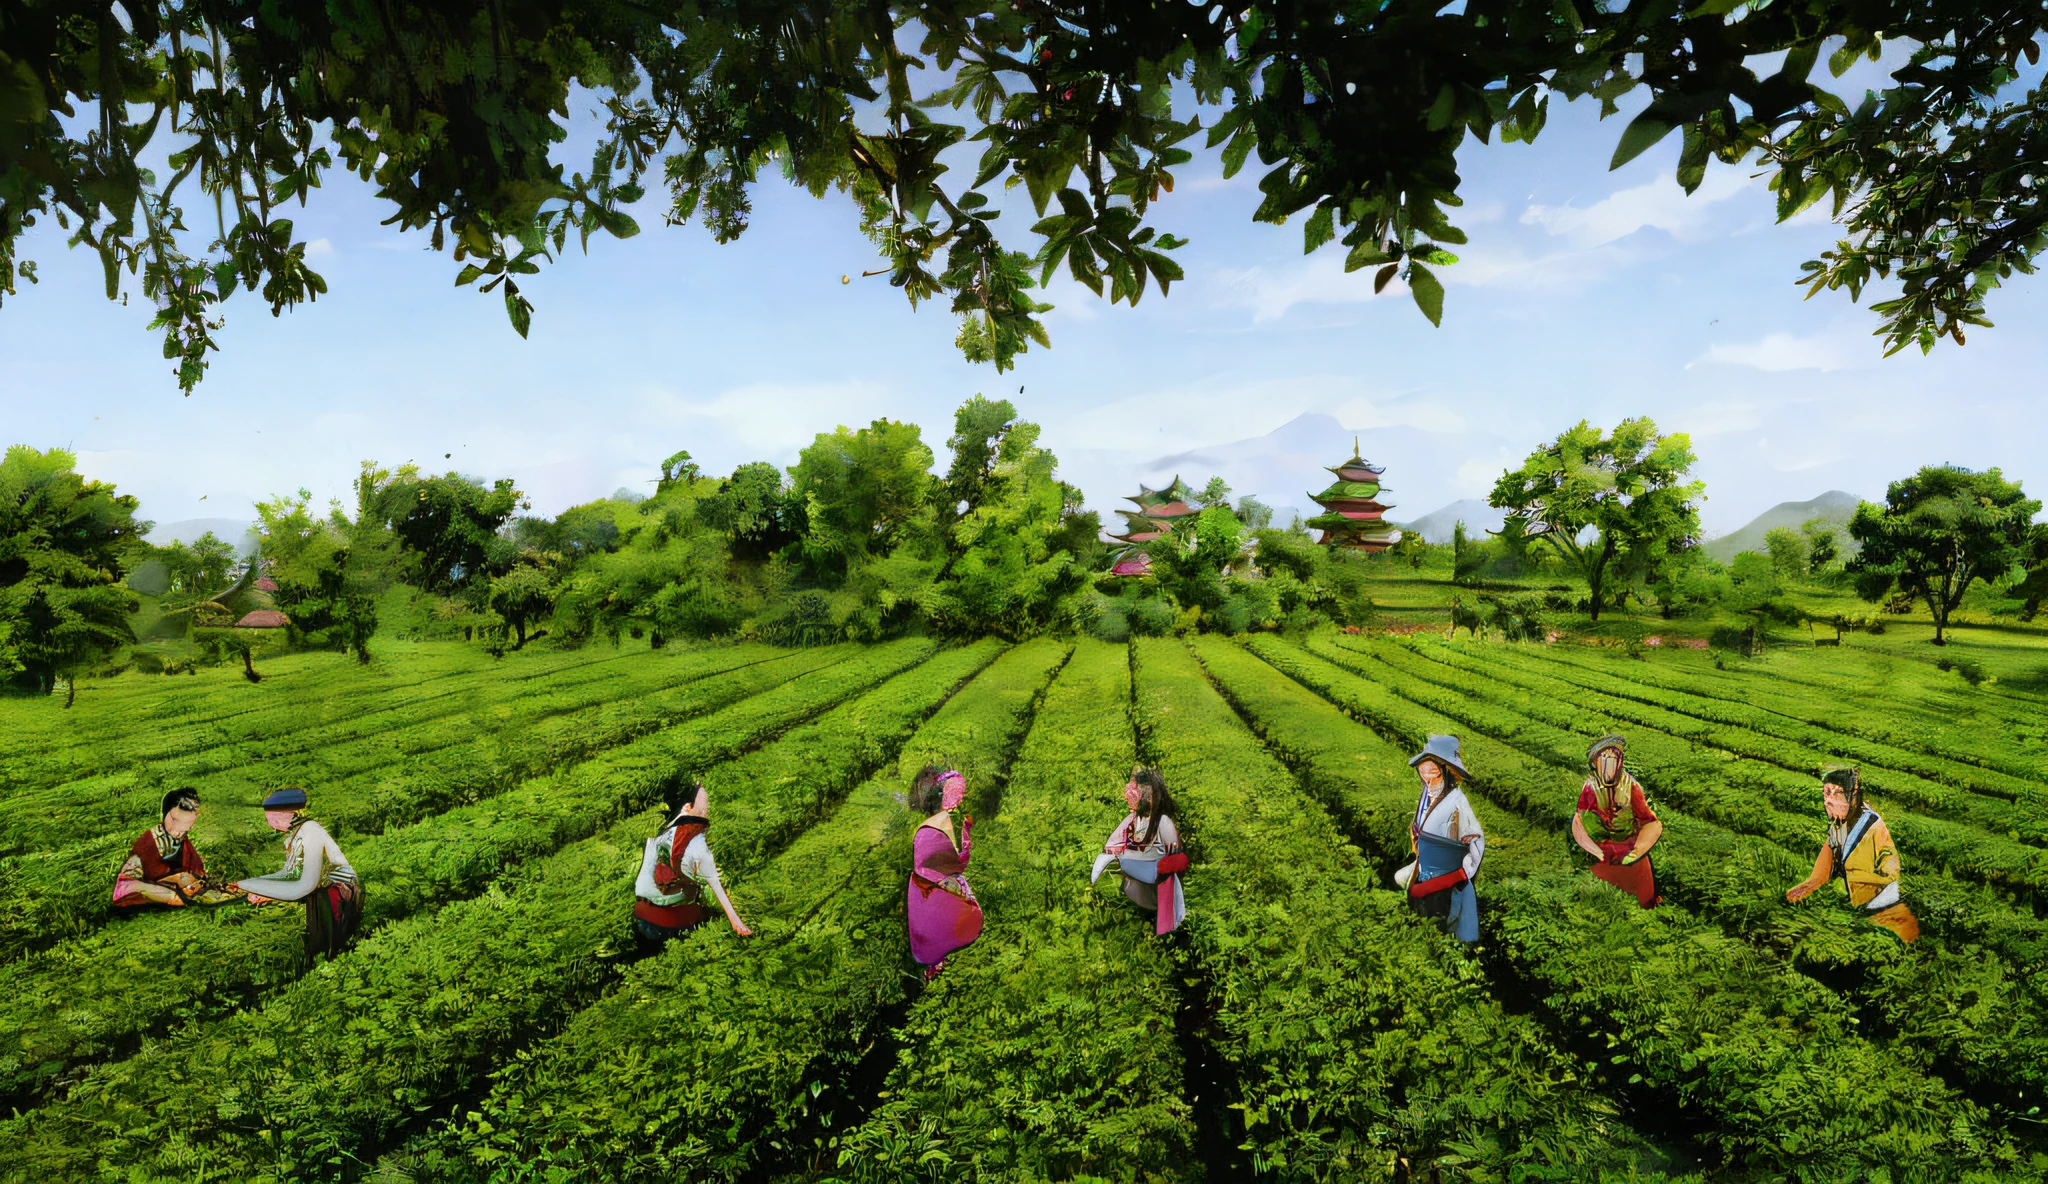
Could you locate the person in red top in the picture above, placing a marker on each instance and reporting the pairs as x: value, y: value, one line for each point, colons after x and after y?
x: 1614, y: 823
x: 164, y: 867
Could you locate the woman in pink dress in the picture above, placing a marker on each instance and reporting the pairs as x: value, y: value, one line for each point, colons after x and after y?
x: 944, y: 915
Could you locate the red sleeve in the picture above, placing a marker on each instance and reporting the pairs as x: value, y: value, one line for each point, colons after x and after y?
x: 1641, y: 806
x: 1586, y: 801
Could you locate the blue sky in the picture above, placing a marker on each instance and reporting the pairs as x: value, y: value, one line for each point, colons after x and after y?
x: 1583, y: 294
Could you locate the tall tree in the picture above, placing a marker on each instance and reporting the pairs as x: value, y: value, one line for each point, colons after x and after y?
x: 862, y: 492
x: 1010, y: 566
x: 1628, y: 488
x: 1357, y: 115
x: 756, y: 511
x: 979, y: 427
x: 64, y: 544
x: 329, y: 569
x: 447, y: 526
x: 1939, y: 531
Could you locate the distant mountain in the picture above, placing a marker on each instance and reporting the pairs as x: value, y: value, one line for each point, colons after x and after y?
x: 240, y: 532
x: 1436, y: 526
x: 1834, y: 505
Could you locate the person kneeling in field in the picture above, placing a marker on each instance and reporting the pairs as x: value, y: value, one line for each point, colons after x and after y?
x: 675, y: 870
x: 314, y: 871
x: 164, y: 867
x: 1614, y: 823
x: 1146, y: 848
x: 1447, y: 841
x: 1859, y: 851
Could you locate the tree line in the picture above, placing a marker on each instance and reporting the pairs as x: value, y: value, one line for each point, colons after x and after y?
x: 862, y: 540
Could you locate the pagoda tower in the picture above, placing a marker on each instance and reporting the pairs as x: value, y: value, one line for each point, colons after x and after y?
x: 1157, y: 513
x: 1352, y: 509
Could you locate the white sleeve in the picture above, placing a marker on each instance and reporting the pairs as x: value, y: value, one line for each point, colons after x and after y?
x: 1120, y: 837
x: 313, y: 861
x: 704, y: 867
x: 1475, y: 837
x: 645, y: 886
x: 1169, y: 834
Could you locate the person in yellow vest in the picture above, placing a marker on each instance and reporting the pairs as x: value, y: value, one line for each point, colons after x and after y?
x: 1860, y: 852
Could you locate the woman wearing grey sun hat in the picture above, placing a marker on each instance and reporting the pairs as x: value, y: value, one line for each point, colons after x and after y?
x: 1447, y: 840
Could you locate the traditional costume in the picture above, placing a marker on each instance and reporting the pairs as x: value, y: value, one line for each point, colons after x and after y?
x: 1448, y: 844
x: 675, y: 869
x: 944, y: 916
x: 316, y: 872
x: 1613, y: 815
x: 168, y: 861
x: 1151, y: 861
x: 1859, y: 851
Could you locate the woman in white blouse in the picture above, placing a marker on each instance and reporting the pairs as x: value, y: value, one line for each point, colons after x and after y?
x: 675, y: 870
x: 1447, y: 840
x: 314, y: 871
x: 1146, y: 848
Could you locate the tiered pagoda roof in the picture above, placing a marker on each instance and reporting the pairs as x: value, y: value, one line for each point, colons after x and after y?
x: 1352, y: 509
x: 1157, y: 513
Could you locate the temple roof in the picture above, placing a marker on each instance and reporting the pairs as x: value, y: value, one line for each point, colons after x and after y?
x: 1176, y: 492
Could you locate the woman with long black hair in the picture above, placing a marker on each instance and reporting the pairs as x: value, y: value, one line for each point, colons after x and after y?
x: 1146, y: 848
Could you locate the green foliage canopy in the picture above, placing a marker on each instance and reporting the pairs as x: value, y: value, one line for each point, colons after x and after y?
x: 64, y: 543
x: 1629, y: 488
x: 1938, y: 532
x: 452, y: 110
x: 862, y: 492
x: 447, y: 526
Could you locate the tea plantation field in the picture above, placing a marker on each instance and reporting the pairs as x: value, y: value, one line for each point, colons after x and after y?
x: 495, y: 1022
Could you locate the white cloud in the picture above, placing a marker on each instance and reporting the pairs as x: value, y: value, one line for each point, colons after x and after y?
x: 1719, y: 417
x: 1321, y: 279
x: 1517, y: 269
x: 1660, y: 204
x: 319, y: 248
x: 1783, y: 351
x: 778, y: 418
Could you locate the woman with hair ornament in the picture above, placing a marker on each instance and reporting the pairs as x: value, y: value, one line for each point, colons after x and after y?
x: 1447, y: 840
x: 943, y: 914
x: 314, y: 871
x: 1146, y: 848
x: 1859, y: 852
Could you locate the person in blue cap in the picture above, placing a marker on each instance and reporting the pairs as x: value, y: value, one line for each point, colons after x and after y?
x: 1447, y: 840
x: 314, y: 871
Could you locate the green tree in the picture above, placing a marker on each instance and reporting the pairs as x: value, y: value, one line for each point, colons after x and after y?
x: 64, y: 544
x: 863, y: 492
x: 2032, y: 590
x: 1823, y: 544
x: 526, y: 593
x: 1216, y: 492
x: 979, y: 427
x: 447, y: 527
x: 755, y: 510
x: 329, y: 569
x: 1939, y: 531
x: 1413, y: 549
x: 1009, y: 569
x: 452, y: 111
x: 1627, y: 488
x: 211, y: 560
x: 1789, y: 551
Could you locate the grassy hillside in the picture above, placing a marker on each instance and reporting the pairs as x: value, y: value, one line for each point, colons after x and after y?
x: 496, y: 1021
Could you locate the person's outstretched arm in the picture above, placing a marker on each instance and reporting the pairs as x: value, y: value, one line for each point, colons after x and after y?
x: 1823, y: 867
x: 311, y: 840
x: 708, y: 868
